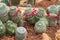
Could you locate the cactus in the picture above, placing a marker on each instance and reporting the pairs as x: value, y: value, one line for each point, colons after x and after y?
x: 13, y: 16
x: 20, y: 33
x: 29, y: 18
x: 45, y: 20
x: 2, y: 29
x: 40, y: 27
x: 52, y: 9
x: 4, y: 12
x: 11, y: 27
x: 5, y: 1
x: 40, y: 13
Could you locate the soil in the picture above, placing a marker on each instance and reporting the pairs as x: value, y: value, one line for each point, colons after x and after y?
x: 31, y: 33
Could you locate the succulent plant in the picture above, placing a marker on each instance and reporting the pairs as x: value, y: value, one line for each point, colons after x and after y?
x: 2, y: 29
x: 21, y: 33
x: 6, y: 2
x: 11, y: 27
x: 4, y: 12
x: 45, y: 20
x: 40, y: 27
x: 53, y: 9
x: 14, y: 14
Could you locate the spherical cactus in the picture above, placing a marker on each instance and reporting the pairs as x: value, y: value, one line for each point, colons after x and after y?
x: 4, y: 9
x: 40, y: 27
x: 52, y: 9
x: 21, y: 33
x: 11, y: 27
x: 2, y: 29
x: 15, y: 14
x: 5, y: 1
x: 41, y: 12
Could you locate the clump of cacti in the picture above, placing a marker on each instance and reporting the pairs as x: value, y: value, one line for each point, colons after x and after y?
x: 2, y: 29
x: 33, y: 15
x: 40, y: 27
x: 21, y: 33
x: 4, y: 9
x: 11, y: 27
x: 15, y: 14
x: 53, y: 13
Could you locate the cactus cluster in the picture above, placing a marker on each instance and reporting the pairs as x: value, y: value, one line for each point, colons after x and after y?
x: 33, y: 18
x: 53, y: 11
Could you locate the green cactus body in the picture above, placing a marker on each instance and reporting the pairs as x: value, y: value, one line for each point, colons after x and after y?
x: 16, y: 18
x: 21, y: 33
x: 5, y: 1
x: 40, y: 27
x: 11, y: 27
x: 30, y: 19
x: 43, y: 19
x: 40, y: 12
x: 2, y: 29
x: 52, y: 9
x: 4, y: 12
